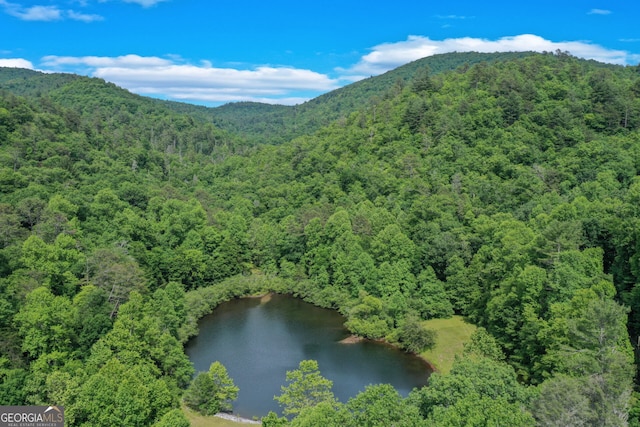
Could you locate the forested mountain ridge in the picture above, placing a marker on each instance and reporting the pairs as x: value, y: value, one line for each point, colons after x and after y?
x: 266, y: 123
x: 256, y: 122
x: 104, y: 101
x: 507, y: 192
x: 276, y: 123
x: 13, y: 74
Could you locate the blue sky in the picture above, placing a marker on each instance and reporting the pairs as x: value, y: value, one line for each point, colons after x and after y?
x: 216, y: 51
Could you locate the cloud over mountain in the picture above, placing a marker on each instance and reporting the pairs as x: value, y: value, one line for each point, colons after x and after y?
x: 386, y: 56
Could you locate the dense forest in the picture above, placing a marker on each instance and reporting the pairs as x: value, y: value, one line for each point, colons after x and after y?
x: 503, y: 188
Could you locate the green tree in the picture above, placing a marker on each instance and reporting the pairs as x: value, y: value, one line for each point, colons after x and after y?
x: 324, y: 414
x: 12, y: 381
x: 381, y: 406
x: 173, y: 418
x: 30, y: 211
x: 368, y: 317
x: 601, y: 354
x: 392, y: 245
x: 58, y: 262
x: 483, y: 344
x: 117, y: 273
x: 91, y: 318
x: 211, y: 392
x: 414, y: 337
x: 106, y: 204
x: 430, y: 298
x: 120, y: 394
x: 306, y: 388
x: 225, y: 390
x: 476, y: 411
x: 471, y: 378
x: 272, y: 420
x: 562, y: 402
x: 10, y: 229
x: 168, y: 306
x: 58, y: 217
x: 46, y: 323
x: 394, y: 277
x: 422, y: 81
x: 136, y: 337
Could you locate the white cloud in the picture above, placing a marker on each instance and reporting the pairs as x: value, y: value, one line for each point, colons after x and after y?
x: 16, y: 63
x: 459, y: 17
x: 600, y: 12
x: 33, y: 13
x: 40, y: 13
x: 145, y: 3
x: 45, y: 13
x: 387, y: 56
x: 77, y: 16
x: 125, y: 61
x: 175, y: 79
x: 172, y: 77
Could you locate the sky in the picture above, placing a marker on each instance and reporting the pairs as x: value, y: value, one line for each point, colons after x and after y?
x: 212, y: 52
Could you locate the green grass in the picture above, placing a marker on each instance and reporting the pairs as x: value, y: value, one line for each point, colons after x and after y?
x: 452, y: 333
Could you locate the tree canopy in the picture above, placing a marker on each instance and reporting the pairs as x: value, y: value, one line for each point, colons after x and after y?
x: 503, y: 188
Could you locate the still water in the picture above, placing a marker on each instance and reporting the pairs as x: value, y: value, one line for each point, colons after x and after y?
x: 258, y: 340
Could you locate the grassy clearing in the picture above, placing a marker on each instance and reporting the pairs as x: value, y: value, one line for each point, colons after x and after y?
x: 198, y: 420
x: 452, y: 334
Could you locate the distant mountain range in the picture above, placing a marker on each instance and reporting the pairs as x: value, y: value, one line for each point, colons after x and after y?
x: 256, y: 122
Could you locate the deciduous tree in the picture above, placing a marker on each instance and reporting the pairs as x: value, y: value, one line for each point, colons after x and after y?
x: 306, y: 388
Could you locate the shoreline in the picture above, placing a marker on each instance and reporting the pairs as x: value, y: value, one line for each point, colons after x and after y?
x: 354, y: 339
x: 236, y: 418
x: 265, y: 296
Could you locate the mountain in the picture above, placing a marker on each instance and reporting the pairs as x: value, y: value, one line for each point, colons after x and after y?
x: 504, y: 191
x: 18, y: 75
x: 32, y: 83
x: 260, y: 123
x: 254, y: 122
x: 263, y: 122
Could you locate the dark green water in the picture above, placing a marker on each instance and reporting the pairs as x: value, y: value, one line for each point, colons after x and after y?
x: 259, y: 341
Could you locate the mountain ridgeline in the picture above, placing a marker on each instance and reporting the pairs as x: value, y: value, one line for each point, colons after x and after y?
x: 265, y: 123
x: 501, y: 187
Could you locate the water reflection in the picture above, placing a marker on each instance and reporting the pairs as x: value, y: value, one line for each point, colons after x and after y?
x: 258, y: 341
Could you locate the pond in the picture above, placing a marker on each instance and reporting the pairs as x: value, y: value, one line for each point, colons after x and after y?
x: 259, y: 339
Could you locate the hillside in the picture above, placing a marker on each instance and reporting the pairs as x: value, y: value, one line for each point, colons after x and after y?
x: 506, y: 192
x: 253, y: 122
x: 32, y: 83
x: 274, y: 124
